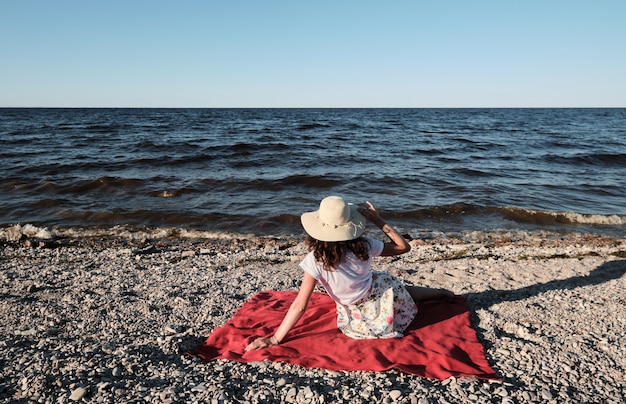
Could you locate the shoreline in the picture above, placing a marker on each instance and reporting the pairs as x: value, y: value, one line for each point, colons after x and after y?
x: 133, y: 235
x: 108, y: 319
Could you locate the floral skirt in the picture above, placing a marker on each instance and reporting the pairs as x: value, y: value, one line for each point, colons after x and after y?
x: 385, y: 313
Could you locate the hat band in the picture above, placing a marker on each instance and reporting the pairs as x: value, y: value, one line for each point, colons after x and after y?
x: 334, y: 226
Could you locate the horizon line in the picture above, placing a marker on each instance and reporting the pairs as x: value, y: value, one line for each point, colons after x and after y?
x: 311, y: 107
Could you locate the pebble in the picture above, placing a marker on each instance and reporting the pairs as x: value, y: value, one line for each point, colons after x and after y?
x: 547, y: 394
x: 199, y: 387
x: 501, y: 391
x: 291, y: 394
x: 395, y: 394
x: 171, y: 329
x: 78, y: 394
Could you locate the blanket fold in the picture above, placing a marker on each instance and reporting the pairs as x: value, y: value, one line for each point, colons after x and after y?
x: 440, y: 342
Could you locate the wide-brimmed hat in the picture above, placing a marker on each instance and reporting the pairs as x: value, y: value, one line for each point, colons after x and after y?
x: 335, y: 220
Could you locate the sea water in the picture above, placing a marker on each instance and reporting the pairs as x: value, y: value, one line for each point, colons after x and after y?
x: 254, y: 171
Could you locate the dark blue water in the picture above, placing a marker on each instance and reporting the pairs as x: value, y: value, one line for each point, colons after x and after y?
x: 256, y: 170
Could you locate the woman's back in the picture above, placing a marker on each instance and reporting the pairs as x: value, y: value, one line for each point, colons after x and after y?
x: 351, y: 279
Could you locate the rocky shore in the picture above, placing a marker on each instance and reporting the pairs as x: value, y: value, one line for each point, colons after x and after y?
x: 108, y: 320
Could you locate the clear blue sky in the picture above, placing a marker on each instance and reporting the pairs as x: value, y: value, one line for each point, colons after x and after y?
x: 233, y: 53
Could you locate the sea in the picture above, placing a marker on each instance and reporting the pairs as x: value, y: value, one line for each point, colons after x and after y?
x: 208, y: 172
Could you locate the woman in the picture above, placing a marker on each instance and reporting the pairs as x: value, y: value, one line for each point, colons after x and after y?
x: 369, y: 304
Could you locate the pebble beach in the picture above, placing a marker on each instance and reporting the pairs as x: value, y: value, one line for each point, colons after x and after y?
x: 109, y: 319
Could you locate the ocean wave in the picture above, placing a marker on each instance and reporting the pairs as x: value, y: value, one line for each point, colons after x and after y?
x: 127, y: 232
x: 518, y: 215
x: 43, y: 234
x: 158, y: 186
x: 311, y: 126
x: 436, y: 132
x: 547, y: 217
x: 304, y: 181
x: 16, y: 232
x: 604, y: 159
x: 102, y: 184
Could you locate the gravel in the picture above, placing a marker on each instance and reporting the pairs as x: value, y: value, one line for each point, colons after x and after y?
x: 108, y: 320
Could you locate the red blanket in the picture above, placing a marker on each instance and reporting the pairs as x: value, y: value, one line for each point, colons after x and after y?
x: 440, y: 343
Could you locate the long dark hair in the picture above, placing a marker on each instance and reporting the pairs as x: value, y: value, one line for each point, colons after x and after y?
x: 330, y: 253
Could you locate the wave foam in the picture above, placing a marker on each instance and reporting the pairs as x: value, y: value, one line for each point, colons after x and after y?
x: 17, y: 232
x: 540, y: 216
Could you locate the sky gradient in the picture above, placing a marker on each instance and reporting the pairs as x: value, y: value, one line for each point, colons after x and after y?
x: 312, y: 54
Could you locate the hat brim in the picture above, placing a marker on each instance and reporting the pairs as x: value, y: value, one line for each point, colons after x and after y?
x: 349, y: 231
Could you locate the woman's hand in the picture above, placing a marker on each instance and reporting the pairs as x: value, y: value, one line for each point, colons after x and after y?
x: 296, y: 310
x: 260, y: 343
x: 369, y: 211
x: 398, y: 244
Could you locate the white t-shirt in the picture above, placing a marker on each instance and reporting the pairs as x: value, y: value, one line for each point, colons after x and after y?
x: 351, y: 280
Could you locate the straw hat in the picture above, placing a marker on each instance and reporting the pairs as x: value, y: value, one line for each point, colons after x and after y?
x: 335, y: 220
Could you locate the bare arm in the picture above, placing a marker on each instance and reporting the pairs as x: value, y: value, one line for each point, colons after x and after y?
x: 296, y: 310
x: 398, y: 245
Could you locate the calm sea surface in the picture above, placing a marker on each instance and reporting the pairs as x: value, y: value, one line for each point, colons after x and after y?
x: 256, y: 170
